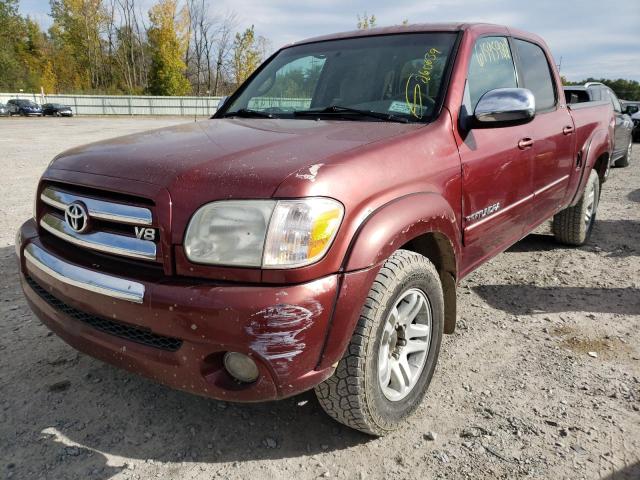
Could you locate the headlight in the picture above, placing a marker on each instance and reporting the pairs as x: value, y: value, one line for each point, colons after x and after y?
x: 263, y: 233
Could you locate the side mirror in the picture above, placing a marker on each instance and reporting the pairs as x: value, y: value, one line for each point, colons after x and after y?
x: 503, y: 107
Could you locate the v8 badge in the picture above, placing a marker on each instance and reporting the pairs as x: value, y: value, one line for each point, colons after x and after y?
x: 144, y: 233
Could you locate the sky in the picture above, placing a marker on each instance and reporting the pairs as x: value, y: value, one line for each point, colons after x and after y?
x: 589, y: 38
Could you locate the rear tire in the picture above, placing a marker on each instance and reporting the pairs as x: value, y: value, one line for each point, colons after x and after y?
x: 573, y: 225
x: 386, y: 370
x: 624, y: 161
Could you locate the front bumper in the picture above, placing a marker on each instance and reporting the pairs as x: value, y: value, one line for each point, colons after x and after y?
x: 177, y: 330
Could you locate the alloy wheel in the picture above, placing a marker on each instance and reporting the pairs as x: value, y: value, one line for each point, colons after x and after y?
x: 405, y: 343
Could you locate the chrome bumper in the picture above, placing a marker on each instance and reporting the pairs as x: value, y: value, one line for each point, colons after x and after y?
x: 119, y: 288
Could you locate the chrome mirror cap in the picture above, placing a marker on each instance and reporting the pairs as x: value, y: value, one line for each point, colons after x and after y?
x: 505, y: 106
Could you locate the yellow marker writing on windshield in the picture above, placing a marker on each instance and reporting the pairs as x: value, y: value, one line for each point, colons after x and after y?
x: 413, y: 88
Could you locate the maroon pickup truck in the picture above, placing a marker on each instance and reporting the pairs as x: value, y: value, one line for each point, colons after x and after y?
x: 312, y: 233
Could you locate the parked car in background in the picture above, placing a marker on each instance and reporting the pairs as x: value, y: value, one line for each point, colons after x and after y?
x: 23, y: 107
x: 57, y: 110
x: 280, y: 247
x: 599, y: 92
x: 4, y: 111
x: 636, y: 126
x: 633, y: 109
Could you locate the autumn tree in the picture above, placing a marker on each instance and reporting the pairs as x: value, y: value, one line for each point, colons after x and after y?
x: 167, y: 43
x: 77, y: 33
x: 21, y: 49
x: 247, y: 54
x: 127, y: 47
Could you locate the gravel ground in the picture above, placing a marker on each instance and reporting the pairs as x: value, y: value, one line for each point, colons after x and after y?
x: 541, y: 379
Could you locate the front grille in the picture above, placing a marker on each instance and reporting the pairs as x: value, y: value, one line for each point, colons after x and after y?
x: 96, y: 221
x: 111, y: 327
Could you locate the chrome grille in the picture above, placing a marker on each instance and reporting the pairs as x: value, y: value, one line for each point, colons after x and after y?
x: 101, y: 240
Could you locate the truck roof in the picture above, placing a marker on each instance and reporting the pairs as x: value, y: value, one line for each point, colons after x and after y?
x: 419, y: 28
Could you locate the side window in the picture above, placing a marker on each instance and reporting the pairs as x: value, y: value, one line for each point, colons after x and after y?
x: 596, y: 95
x: 491, y: 67
x: 536, y: 74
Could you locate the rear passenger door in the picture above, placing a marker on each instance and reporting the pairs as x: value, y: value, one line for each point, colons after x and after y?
x: 496, y: 162
x: 552, y: 132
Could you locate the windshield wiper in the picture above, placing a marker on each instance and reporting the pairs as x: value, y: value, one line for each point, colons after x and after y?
x: 339, y: 110
x: 248, y: 113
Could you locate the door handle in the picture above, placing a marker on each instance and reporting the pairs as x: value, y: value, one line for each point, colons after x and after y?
x: 567, y: 130
x: 525, y: 143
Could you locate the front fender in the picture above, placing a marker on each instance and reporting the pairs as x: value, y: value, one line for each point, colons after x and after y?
x: 396, y: 223
x: 383, y: 232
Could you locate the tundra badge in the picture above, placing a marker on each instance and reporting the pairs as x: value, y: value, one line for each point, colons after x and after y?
x: 484, y: 212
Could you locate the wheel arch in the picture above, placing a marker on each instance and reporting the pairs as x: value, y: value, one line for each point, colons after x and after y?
x: 424, y: 223
x: 597, y: 155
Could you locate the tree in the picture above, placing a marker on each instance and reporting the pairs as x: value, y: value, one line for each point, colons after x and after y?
x: 48, y: 80
x: 77, y: 33
x: 223, y: 46
x: 127, y: 49
x: 246, y: 55
x: 167, y: 42
x: 366, y: 21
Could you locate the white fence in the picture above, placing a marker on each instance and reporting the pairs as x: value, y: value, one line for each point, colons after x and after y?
x: 125, y: 105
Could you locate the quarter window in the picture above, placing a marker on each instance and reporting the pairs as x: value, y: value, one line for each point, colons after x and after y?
x: 491, y: 67
x: 536, y: 74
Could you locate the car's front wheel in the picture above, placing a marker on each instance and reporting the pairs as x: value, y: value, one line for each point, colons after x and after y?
x: 389, y: 363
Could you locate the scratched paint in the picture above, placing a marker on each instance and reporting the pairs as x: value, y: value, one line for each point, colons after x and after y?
x: 313, y: 172
x: 277, y: 331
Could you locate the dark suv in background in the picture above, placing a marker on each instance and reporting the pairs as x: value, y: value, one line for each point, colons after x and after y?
x: 25, y: 108
x: 598, y: 92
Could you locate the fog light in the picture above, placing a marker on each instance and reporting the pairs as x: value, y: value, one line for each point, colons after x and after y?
x: 241, y: 367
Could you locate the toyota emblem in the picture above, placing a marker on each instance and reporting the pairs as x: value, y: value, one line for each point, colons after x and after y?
x: 76, y: 217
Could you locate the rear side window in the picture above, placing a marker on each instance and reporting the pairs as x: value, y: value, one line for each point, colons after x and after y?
x: 491, y: 67
x: 536, y: 74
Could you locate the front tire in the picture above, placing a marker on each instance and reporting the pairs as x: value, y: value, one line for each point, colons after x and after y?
x: 386, y: 370
x: 573, y: 225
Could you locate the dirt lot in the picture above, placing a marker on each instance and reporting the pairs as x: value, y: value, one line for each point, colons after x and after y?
x: 541, y: 379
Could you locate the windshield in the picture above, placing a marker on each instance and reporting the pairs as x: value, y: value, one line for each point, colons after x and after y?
x: 400, y: 76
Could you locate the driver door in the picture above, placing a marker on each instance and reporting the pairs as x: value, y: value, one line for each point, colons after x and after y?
x: 496, y: 161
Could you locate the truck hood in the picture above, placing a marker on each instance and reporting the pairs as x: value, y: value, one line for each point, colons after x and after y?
x: 225, y: 158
